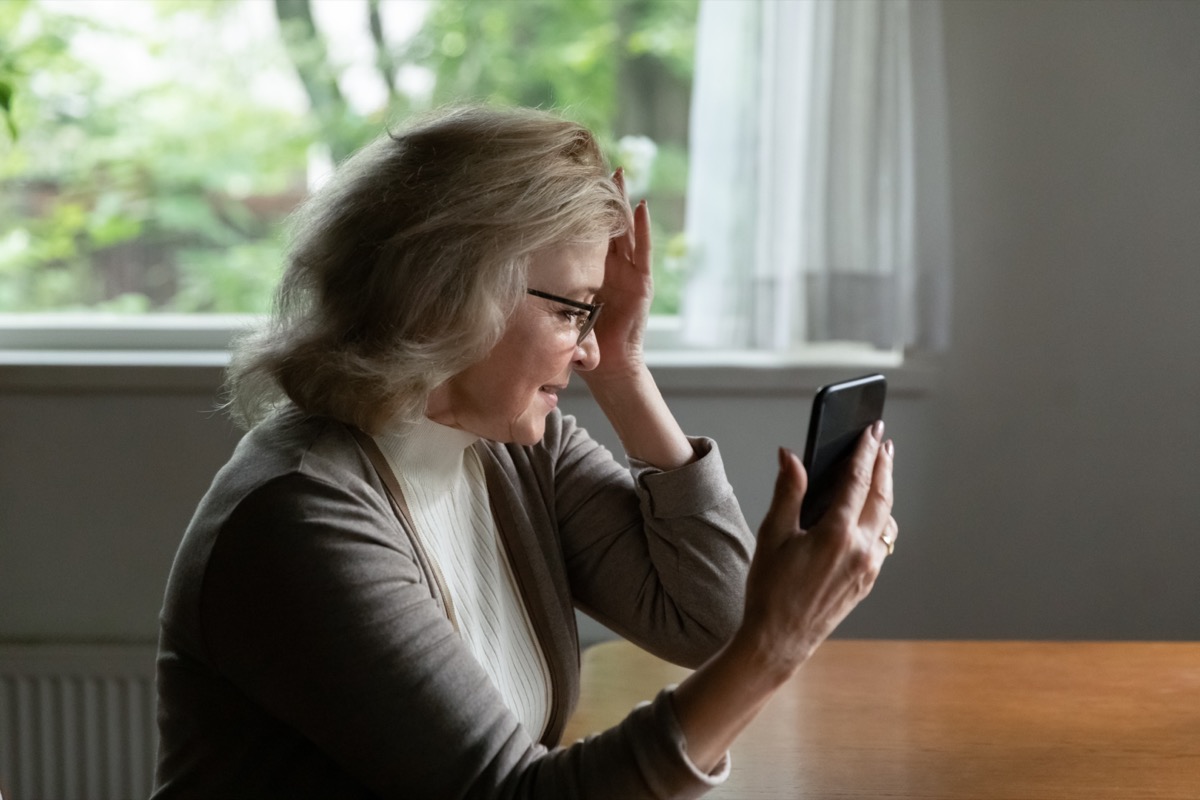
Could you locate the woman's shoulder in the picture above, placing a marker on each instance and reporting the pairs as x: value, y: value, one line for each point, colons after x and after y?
x: 296, y: 488
x: 290, y: 446
x: 293, y: 442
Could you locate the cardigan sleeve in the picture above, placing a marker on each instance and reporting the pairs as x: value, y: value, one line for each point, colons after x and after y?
x: 661, y: 557
x: 315, y: 611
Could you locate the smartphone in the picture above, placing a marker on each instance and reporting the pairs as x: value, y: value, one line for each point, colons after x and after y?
x: 840, y: 414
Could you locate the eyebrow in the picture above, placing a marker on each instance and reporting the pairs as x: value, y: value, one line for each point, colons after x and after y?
x: 587, y: 290
x: 557, y: 298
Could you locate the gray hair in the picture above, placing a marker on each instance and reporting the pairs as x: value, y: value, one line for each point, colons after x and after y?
x: 406, y: 266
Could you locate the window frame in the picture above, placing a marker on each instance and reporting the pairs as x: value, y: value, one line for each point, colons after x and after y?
x: 190, y: 354
x: 98, y: 340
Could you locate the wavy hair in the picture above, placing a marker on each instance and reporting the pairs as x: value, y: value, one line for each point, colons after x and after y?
x: 406, y: 266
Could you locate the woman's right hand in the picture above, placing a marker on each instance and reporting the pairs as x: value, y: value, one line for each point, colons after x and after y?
x: 802, y: 584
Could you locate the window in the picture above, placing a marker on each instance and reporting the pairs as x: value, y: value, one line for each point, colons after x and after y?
x: 155, y: 147
x: 151, y: 170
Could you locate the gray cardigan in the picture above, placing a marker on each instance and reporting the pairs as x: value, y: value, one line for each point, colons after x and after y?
x: 304, y: 650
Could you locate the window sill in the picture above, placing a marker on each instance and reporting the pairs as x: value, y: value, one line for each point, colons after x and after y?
x: 188, y: 353
x: 728, y: 373
x: 104, y: 371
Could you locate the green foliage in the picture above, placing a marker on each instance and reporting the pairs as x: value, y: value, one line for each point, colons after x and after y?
x: 239, y: 277
x: 165, y: 190
x: 10, y: 72
x: 539, y: 53
x: 118, y: 190
x: 6, y: 99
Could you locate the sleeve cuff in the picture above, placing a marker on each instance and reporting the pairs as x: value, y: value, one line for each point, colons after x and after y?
x: 721, y: 772
x: 688, y: 490
x: 683, y: 771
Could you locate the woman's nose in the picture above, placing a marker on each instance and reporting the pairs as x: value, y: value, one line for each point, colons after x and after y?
x: 587, y: 353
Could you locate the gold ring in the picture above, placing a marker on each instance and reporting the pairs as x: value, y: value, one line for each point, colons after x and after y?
x: 891, y: 543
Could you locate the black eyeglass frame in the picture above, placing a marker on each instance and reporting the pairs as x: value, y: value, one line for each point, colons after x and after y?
x: 589, y: 321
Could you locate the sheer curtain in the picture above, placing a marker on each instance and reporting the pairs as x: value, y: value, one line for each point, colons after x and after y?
x: 817, y: 199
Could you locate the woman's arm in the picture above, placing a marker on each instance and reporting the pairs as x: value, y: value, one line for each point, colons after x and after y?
x: 621, y: 382
x: 802, y: 584
x: 661, y: 557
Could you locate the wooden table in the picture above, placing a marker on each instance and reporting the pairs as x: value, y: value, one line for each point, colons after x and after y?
x: 972, y: 720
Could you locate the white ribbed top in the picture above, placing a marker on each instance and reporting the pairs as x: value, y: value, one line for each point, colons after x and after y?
x: 446, y: 493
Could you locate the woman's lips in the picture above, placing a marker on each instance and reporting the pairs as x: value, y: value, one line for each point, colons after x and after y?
x: 551, y: 394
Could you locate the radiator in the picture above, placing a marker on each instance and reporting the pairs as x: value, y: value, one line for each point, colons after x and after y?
x: 77, y: 722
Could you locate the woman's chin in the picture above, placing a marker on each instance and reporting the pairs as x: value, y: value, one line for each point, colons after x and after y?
x: 530, y: 438
x: 530, y: 432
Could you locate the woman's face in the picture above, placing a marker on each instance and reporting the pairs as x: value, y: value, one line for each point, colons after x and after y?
x: 506, y: 396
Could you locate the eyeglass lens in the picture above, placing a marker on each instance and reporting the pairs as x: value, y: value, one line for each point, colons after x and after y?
x: 588, y: 323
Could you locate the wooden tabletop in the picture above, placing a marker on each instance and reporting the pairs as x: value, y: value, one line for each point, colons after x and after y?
x: 971, y: 720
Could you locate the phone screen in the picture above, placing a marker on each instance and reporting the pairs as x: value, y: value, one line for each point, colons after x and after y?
x: 840, y: 414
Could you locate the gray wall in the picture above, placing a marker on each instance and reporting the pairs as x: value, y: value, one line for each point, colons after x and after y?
x: 1045, y: 463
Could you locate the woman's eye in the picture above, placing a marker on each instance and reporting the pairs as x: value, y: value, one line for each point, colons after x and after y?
x: 573, y: 315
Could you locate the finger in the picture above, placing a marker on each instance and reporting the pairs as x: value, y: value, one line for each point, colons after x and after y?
x: 619, y: 180
x: 622, y: 246
x: 877, y: 508
x: 856, y: 483
x: 641, y: 236
x: 783, y: 515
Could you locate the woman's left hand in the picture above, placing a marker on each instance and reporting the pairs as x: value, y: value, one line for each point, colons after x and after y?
x: 626, y: 294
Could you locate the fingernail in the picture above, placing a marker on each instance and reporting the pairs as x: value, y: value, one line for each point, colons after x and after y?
x: 785, y: 457
x: 877, y: 430
x: 890, y: 448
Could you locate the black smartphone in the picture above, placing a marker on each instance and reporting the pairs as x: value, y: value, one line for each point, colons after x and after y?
x: 840, y: 413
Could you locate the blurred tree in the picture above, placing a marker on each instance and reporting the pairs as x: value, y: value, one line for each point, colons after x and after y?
x: 7, y: 90
x: 117, y: 184
x: 10, y: 72
x: 310, y: 57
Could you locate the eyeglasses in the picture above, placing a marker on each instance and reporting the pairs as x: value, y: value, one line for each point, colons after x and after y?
x: 583, y: 323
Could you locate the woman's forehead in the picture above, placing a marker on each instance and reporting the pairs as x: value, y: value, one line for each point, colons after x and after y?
x: 579, y: 266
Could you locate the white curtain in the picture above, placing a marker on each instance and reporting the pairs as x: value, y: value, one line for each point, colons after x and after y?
x: 817, y: 198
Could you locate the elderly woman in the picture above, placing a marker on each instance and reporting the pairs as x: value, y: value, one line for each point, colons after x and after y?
x: 376, y: 596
